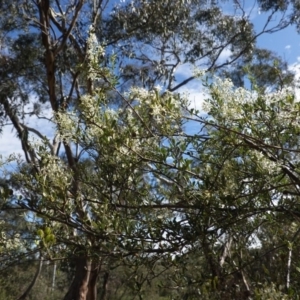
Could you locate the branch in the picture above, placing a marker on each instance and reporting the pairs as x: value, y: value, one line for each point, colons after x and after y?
x: 43, y: 137
x: 182, y: 84
x: 226, y: 251
x: 72, y: 38
x: 28, y: 151
x: 31, y: 285
x: 67, y: 34
x: 288, y: 276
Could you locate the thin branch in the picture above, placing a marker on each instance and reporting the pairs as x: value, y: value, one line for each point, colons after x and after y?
x: 288, y: 276
x: 34, y: 280
x: 35, y: 131
x: 226, y: 251
x: 22, y: 132
x: 132, y: 108
x: 67, y: 34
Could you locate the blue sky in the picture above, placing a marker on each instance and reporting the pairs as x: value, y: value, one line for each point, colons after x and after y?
x: 286, y: 43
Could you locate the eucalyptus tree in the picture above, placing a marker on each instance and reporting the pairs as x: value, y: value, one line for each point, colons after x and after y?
x: 118, y: 183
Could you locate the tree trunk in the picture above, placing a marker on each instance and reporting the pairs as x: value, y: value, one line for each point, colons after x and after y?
x: 104, y: 286
x: 92, y: 287
x: 38, y: 271
x: 84, y: 285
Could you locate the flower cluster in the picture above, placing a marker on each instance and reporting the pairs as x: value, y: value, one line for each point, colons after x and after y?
x: 95, y: 52
x: 67, y: 125
x: 227, y: 100
x: 9, y: 242
x: 264, y: 163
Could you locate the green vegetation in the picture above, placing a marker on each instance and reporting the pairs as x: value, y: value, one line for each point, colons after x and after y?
x: 113, y: 197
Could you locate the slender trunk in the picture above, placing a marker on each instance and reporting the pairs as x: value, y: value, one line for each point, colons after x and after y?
x: 226, y: 251
x: 53, y: 276
x: 104, y: 286
x: 31, y: 285
x: 288, y: 276
x: 84, y: 285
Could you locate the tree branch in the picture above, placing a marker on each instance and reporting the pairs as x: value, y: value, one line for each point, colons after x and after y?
x: 34, y: 280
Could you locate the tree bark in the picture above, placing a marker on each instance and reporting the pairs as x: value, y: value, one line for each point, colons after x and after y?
x: 104, y: 286
x: 92, y: 287
x: 84, y: 285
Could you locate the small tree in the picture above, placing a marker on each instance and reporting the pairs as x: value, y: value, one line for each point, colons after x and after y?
x: 121, y: 182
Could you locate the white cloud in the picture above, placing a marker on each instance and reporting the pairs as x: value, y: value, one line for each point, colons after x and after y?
x: 197, y: 99
x: 195, y: 94
x: 224, y: 56
x: 193, y: 89
x: 296, y: 69
x: 9, y: 142
x: 288, y: 47
x: 184, y: 70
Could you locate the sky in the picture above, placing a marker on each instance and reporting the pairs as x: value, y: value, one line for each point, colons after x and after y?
x: 285, y: 43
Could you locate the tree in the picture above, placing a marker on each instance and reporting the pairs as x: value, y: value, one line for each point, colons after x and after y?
x: 122, y: 183
x: 258, y: 133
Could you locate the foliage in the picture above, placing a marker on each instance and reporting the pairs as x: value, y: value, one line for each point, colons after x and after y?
x: 123, y: 195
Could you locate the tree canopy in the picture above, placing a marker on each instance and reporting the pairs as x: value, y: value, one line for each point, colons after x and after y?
x: 113, y: 197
